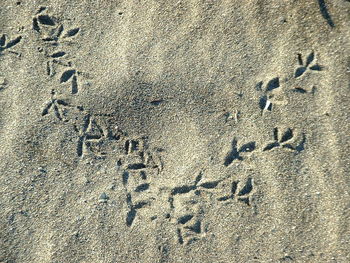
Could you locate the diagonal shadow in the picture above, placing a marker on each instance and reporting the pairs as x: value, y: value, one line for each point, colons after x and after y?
x: 324, y: 12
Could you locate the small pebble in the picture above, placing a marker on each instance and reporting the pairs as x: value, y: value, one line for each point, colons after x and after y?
x: 3, y: 81
x: 282, y: 20
x: 42, y: 170
x: 103, y: 198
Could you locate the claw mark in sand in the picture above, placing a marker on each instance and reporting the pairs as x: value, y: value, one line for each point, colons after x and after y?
x: 89, y: 134
x: 265, y: 102
x: 241, y: 192
x: 4, y: 44
x: 307, y: 65
x: 285, y: 141
x: 70, y: 74
x: 235, y: 153
x: 55, y: 105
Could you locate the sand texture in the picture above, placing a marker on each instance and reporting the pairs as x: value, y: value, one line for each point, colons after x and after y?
x: 174, y: 131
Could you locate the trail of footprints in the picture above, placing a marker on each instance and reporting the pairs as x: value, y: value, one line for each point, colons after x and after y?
x: 189, y: 225
x: 267, y: 99
x: 54, y: 33
x: 286, y: 140
x: 137, y: 165
x: 187, y: 210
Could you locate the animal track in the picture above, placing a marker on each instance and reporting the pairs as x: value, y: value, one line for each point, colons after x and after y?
x: 133, y: 208
x: 304, y: 91
x: 304, y: 67
x: 90, y: 134
x: 58, y: 54
x: 284, y: 141
x: 240, y: 192
x: 189, y: 225
x: 185, y: 202
x: 189, y: 230
x: 70, y: 74
x: 196, y: 186
x: 137, y: 167
x: 50, y: 30
x: 57, y: 35
x: 44, y: 20
x: 71, y: 32
x: 5, y: 44
x: 265, y: 102
x: 56, y: 59
x: 235, y: 154
x: 57, y: 106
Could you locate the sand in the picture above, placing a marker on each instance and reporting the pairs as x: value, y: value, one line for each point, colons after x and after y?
x: 174, y: 131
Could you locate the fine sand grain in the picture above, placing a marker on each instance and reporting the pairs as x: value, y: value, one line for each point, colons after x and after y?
x: 174, y: 131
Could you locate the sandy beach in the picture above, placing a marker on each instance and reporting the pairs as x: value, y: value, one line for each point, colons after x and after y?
x: 174, y: 131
